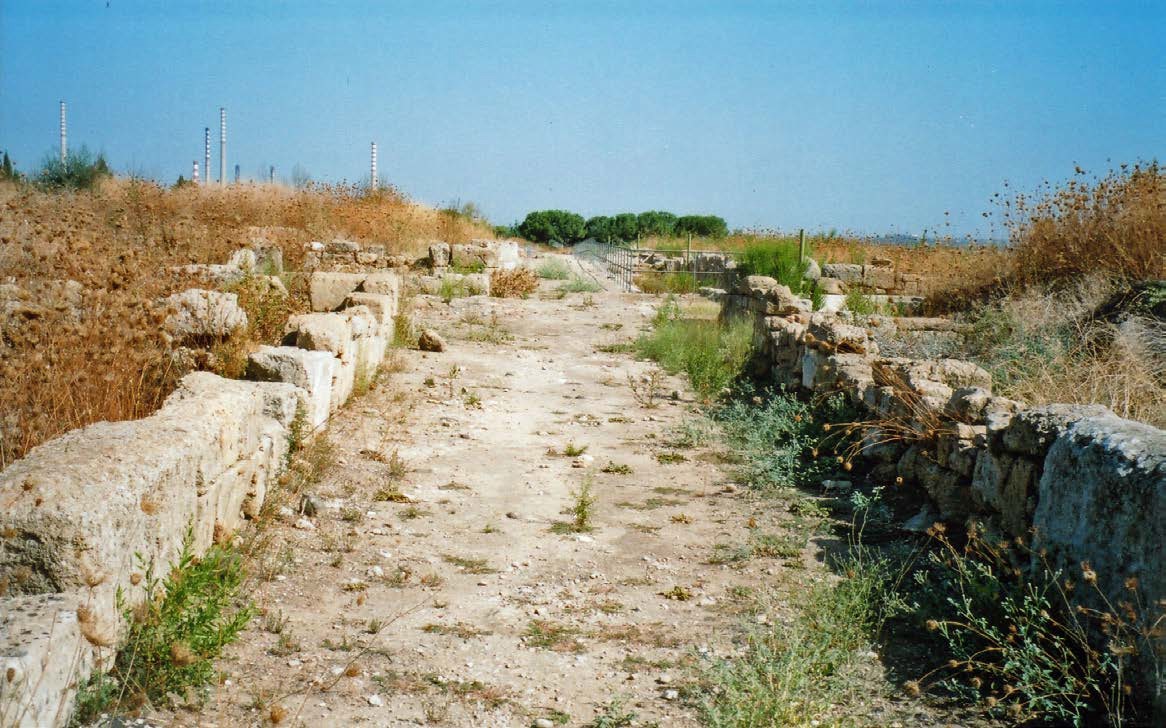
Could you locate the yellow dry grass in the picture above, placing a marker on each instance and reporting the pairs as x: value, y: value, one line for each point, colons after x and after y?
x: 101, y: 356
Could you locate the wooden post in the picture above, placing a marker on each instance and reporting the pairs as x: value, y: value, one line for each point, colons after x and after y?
x: 802, y: 246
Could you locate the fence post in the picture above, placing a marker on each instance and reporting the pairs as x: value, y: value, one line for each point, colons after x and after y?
x: 802, y: 246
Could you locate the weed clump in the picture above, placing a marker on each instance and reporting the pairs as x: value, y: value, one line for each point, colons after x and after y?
x: 713, y: 354
x: 177, y: 629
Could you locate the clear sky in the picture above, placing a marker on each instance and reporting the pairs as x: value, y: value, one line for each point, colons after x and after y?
x: 872, y: 116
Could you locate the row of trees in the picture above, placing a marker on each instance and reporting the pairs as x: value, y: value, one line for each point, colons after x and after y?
x: 568, y: 228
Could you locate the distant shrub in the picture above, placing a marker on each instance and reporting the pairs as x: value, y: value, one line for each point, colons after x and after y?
x: 79, y: 171
x: 7, y: 172
x: 545, y: 226
x: 625, y: 227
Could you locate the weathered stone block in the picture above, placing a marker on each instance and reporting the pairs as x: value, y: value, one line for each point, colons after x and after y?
x: 1033, y: 431
x: 311, y: 371
x: 328, y: 332
x: 328, y: 290
x: 1101, y: 501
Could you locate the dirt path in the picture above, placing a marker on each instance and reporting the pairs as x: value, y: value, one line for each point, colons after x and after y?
x: 467, y: 605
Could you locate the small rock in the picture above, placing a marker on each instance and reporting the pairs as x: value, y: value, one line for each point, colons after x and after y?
x: 544, y: 723
x: 375, y: 701
x: 305, y: 524
x: 664, y: 679
x: 376, y: 572
x: 671, y: 694
x: 583, y: 461
x: 430, y: 340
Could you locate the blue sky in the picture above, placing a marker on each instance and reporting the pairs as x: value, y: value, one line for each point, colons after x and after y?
x: 871, y: 117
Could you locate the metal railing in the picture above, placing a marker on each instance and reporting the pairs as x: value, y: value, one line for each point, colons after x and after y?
x: 635, y: 268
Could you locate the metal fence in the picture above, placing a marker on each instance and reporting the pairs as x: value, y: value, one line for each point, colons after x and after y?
x: 659, y: 269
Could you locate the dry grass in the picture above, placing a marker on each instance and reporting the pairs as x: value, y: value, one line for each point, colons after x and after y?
x: 101, y: 356
x: 1044, y: 346
x: 1114, y: 225
x: 516, y: 283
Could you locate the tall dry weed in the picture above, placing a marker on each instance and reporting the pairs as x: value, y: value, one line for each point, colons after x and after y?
x: 73, y: 354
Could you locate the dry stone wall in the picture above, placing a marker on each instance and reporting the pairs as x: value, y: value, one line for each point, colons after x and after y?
x: 81, y: 512
x: 1085, y: 484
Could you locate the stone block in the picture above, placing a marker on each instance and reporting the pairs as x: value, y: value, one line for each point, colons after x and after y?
x: 328, y: 290
x: 311, y: 371
x: 42, y: 655
x: 330, y: 332
x: 1033, y: 431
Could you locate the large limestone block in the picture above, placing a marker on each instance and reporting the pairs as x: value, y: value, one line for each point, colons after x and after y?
x: 330, y: 332
x: 1033, y: 431
x: 845, y: 272
x: 439, y: 254
x: 328, y: 290
x: 475, y: 254
x: 382, y: 306
x: 509, y: 254
x: 383, y: 282
x: 311, y: 371
x: 197, y: 315
x: 1102, y: 500
x: 81, y: 505
x: 43, y: 653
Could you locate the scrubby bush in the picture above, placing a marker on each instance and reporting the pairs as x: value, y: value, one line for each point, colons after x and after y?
x: 599, y: 228
x: 516, y: 283
x: 560, y: 226
x: 624, y: 227
x: 1114, y: 225
x: 79, y: 171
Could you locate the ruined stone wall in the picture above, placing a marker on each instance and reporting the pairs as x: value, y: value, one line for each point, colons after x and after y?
x: 82, y: 512
x: 1084, y: 484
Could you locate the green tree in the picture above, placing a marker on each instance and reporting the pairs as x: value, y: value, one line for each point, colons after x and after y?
x: 656, y: 222
x: 544, y: 226
x: 6, y: 171
x: 599, y: 227
x: 708, y: 226
x: 624, y: 227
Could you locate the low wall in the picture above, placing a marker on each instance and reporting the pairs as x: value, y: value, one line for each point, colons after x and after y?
x: 1085, y: 484
x: 78, y: 512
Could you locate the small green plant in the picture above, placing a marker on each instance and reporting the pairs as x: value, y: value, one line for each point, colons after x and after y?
x: 547, y: 635
x: 578, y: 284
x: 452, y: 287
x: 860, y: 304
x: 177, y: 626
x: 617, y: 468
x: 801, y: 670
x: 572, y: 450
x: 554, y: 269
x: 470, y: 566
x: 582, y: 510
x: 647, y: 388
x: 613, y: 715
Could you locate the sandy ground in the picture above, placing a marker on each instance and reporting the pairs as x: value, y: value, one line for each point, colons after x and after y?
x: 467, y: 606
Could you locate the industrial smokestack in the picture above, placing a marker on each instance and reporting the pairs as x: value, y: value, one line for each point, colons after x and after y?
x: 236, y: 174
x: 206, y: 152
x: 64, y: 145
x: 271, y: 175
x: 222, y: 146
x: 373, y: 172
